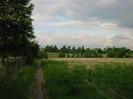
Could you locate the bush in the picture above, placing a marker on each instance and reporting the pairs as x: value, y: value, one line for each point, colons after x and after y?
x: 62, y: 55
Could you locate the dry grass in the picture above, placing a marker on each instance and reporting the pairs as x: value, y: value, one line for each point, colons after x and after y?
x: 52, y: 55
x: 89, y: 62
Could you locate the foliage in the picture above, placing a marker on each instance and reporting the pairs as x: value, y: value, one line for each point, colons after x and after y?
x: 16, y: 31
x: 61, y: 55
x: 32, y: 52
x: 82, y: 52
x: 105, y: 81
x: 19, y: 84
x: 51, y: 48
x: 42, y: 54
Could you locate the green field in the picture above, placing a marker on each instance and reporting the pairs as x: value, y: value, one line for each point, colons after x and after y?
x: 52, y: 55
x: 73, y: 78
x: 70, y: 79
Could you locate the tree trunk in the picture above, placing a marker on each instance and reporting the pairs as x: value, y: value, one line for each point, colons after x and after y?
x: 16, y: 67
x: 24, y: 61
x: 3, y: 59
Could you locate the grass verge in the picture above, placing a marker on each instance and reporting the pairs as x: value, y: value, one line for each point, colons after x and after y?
x: 18, y: 85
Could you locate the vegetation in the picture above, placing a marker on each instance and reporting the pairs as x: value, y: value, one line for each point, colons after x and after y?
x: 105, y: 81
x: 81, y: 52
x: 65, y: 83
x: 18, y: 84
x: 18, y: 50
x: 16, y: 30
x: 115, y: 80
x: 42, y: 54
x: 52, y: 55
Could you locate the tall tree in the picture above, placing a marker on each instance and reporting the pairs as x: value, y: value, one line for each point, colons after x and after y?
x: 16, y: 29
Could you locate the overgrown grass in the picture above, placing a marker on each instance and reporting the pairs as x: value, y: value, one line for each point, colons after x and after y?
x: 18, y: 85
x: 65, y: 83
x: 105, y: 81
x: 114, y: 79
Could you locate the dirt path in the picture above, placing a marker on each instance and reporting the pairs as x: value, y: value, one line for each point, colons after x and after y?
x: 37, y: 88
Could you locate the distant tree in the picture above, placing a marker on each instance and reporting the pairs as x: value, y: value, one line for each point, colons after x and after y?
x: 42, y: 54
x: 82, y: 49
x: 47, y: 48
x: 118, y: 52
x: 51, y: 48
x: 73, y: 49
x: 96, y: 52
x: 63, y: 49
x: 55, y: 49
x: 68, y: 49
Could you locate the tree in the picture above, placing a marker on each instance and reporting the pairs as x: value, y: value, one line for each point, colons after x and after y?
x: 32, y: 52
x: 63, y: 49
x: 68, y: 49
x: 55, y: 49
x: 16, y: 31
x: 42, y: 54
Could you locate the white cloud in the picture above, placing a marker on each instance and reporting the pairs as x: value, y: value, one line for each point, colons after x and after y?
x: 106, y: 3
x: 92, y: 23
x: 121, y: 41
x: 111, y: 15
x: 86, y: 39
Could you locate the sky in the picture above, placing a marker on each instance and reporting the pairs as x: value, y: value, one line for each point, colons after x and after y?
x: 89, y: 23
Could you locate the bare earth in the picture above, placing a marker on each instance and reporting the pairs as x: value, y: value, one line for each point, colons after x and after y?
x: 37, y: 91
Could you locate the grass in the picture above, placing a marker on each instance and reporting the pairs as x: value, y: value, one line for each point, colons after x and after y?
x: 92, y: 62
x: 52, y: 55
x: 114, y: 79
x: 18, y: 85
x: 105, y: 81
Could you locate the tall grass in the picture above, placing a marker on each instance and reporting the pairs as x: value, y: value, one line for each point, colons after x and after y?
x: 105, y: 81
x: 115, y: 79
x: 65, y: 83
x: 18, y: 85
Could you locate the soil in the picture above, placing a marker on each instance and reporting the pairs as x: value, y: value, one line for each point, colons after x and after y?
x: 37, y: 88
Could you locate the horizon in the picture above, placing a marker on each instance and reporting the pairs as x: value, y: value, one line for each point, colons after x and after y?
x: 80, y: 46
x: 93, y: 24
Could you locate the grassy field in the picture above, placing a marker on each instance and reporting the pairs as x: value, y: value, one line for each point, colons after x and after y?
x: 70, y: 79
x: 91, y: 62
x: 52, y: 55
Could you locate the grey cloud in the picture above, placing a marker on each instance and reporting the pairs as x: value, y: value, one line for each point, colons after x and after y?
x: 77, y: 39
x: 122, y: 41
x: 106, y: 14
x: 119, y: 11
x: 86, y: 39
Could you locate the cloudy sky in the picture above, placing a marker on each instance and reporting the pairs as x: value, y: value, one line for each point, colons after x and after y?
x: 92, y: 23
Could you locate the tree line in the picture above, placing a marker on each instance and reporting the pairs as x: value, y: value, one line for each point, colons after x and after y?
x: 16, y: 31
x: 82, y: 52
